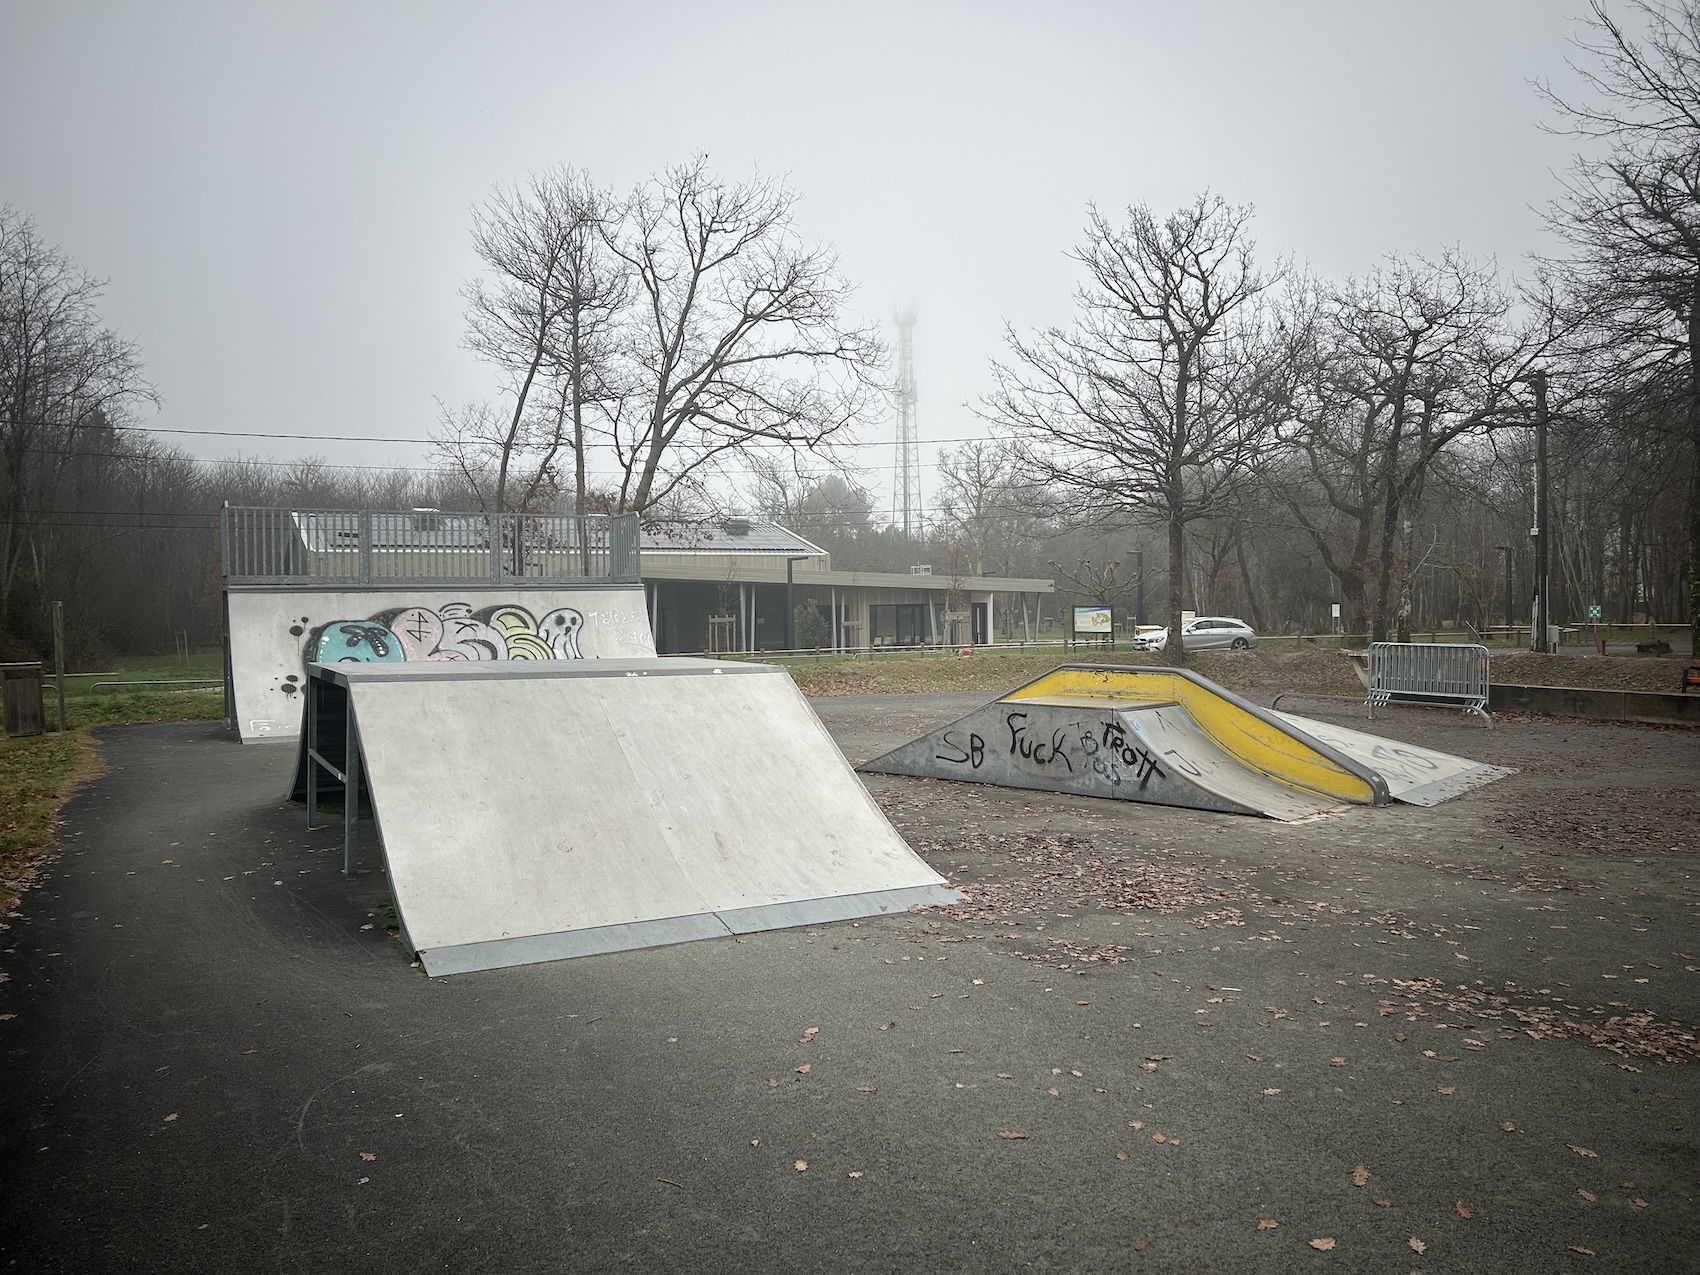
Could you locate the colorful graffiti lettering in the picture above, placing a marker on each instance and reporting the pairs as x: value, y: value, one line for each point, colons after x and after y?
x: 453, y: 631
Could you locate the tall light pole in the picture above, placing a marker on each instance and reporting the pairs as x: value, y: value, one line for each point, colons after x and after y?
x: 791, y: 604
x: 1139, y: 596
x: 1541, y: 617
x: 1510, y: 620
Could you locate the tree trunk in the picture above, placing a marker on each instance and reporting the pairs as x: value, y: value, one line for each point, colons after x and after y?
x: 1174, y: 653
x: 1694, y: 471
x: 1384, y: 578
x: 1245, y: 579
x: 577, y: 388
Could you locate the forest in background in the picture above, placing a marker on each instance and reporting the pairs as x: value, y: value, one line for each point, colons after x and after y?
x: 1285, y: 443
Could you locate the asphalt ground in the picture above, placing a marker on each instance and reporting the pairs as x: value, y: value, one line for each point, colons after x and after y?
x: 213, y: 1057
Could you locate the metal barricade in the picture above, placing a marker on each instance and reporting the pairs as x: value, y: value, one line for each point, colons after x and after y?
x: 1437, y: 673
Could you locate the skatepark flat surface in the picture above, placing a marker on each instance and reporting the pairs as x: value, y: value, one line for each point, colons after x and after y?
x: 208, y: 1063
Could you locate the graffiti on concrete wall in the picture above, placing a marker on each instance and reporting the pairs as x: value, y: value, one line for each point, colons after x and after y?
x: 453, y: 631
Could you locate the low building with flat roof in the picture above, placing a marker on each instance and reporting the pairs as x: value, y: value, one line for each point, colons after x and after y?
x: 723, y: 587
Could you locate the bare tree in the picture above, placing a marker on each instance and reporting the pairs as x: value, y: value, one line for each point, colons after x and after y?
x: 984, y: 506
x: 1390, y: 371
x: 1153, y: 404
x: 1632, y: 214
x: 66, y: 384
x: 1104, y: 582
x: 738, y: 334
x: 545, y: 316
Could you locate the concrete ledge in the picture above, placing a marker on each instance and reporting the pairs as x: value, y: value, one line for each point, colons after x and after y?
x: 1617, y: 706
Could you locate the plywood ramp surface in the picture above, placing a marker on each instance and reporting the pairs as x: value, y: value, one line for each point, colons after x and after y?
x: 1171, y: 737
x: 542, y: 813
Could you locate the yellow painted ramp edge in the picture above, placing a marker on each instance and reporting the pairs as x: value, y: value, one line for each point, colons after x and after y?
x: 1260, y: 742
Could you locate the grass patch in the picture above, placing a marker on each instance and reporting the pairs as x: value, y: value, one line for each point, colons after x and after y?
x: 205, y: 666
x: 1248, y: 672
x: 38, y: 775
x: 137, y: 707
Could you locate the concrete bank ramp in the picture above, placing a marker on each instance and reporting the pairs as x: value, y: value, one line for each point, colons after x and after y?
x: 1171, y: 737
x: 530, y: 812
x: 275, y: 633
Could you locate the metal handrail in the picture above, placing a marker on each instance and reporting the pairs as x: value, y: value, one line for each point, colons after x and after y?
x: 363, y: 547
x: 210, y: 683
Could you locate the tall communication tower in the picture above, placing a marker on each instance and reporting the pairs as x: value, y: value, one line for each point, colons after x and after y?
x: 906, y: 484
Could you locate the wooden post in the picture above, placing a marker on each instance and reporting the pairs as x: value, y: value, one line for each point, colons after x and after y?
x: 59, y: 659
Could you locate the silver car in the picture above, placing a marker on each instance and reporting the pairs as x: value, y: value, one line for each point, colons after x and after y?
x: 1205, y: 633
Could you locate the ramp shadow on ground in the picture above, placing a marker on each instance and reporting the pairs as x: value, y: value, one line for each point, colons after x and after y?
x: 212, y: 1064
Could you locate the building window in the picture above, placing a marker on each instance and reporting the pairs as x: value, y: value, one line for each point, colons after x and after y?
x: 898, y: 624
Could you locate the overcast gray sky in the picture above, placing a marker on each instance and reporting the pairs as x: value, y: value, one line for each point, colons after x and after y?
x: 279, y: 193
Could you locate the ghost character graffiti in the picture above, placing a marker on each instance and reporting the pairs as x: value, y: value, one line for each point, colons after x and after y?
x: 357, y: 642
x: 453, y: 631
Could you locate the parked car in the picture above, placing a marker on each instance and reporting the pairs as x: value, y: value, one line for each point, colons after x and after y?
x: 1205, y: 633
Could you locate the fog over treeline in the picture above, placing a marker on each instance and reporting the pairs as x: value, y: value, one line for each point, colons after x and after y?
x: 1266, y: 442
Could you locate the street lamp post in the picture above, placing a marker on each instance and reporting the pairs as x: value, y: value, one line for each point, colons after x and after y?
x: 1509, y: 616
x: 791, y: 604
x: 1541, y: 618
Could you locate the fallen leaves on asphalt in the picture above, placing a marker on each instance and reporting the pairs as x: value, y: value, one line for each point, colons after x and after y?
x: 1417, y: 1246
x: 1583, y: 1151
x: 1360, y: 1175
x: 1629, y: 1032
x: 1463, y: 1210
x: 808, y: 1036
x: 1326, y: 1243
x: 1010, y: 1135
x: 1267, y: 1224
x: 800, y: 1165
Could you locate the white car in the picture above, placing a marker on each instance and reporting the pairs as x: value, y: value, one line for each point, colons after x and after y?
x: 1205, y: 633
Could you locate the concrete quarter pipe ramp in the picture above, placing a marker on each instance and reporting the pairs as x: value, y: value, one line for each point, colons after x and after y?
x: 1170, y: 737
x: 530, y: 812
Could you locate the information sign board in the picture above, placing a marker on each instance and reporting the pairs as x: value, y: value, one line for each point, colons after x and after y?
x: 1092, y: 621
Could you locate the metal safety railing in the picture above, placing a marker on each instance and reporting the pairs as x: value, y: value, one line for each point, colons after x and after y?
x: 1447, y: 673
x: 421, y: 546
